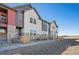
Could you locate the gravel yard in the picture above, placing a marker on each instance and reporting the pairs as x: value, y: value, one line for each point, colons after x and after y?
x: 49, y: 47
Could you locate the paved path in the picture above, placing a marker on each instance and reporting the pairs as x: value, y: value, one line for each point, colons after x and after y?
x: 49, y: 47
x: 14, y: 46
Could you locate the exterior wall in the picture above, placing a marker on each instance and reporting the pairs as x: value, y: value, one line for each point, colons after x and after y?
x: 46, y: 32
x: 11, y: 26
x: 11, y: 17
x: 29, y: 26
x: 53, y: 30
x: 20, y: 14
x: 11, y: 32
x: 19, y: 19
x: 53, y: 27
x: 23, y: 21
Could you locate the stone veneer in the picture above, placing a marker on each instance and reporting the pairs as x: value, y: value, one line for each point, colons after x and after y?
x: 11, y: 32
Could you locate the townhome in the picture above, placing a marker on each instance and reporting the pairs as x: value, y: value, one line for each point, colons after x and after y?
x: 53, y: 30
x: 7, y: 22
x: 24, y: 20
x: 33, y: 25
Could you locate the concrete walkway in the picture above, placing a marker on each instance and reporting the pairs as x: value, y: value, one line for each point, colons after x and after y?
x: 14, y: 46
x: 49, y: 47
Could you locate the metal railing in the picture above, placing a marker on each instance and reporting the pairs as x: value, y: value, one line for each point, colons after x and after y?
x: 37, y: 37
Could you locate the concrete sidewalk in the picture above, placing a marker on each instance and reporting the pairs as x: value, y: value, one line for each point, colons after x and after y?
x: 49, y: 47
x: 18, y: 45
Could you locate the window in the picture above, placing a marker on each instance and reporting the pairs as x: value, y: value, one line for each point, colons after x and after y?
x: 45, y: 34
x: 34, y: 32
x: 32, y: 20
x: 2, y: 31
x: 3, y: 18
x: 31, y: 32
x: 19, y: 16
x: 44, y: 26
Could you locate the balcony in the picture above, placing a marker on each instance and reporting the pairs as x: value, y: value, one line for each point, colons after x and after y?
x: 3, y: 19
x: 3, y: 15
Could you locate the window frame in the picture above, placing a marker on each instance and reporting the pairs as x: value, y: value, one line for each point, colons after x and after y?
x: 32, y: 20
x: 44, y: 26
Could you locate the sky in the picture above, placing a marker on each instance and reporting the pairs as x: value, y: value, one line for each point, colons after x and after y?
x: 66, y: 15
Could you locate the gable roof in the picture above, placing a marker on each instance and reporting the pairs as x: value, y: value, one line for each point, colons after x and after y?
x: 3, y: 5
x: 55, y: 23
x: 25, y: 5
x: 40, y: 16
x: 37, y: 13
x: 31, y: 7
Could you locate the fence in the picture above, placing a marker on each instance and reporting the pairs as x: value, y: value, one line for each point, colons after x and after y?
x: 37, y: 37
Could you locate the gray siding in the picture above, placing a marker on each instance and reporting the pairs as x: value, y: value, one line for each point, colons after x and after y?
x: 19, y: 19
x: 20, y: 15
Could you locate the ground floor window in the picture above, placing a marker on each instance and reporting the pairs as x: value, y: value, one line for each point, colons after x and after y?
x: 2, y: 31
x: 32, y: 32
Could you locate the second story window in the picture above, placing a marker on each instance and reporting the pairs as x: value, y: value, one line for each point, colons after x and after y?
x: 2, y: 18
x: 32, y: 20
x: 44, y: 26
x: 19, y: 16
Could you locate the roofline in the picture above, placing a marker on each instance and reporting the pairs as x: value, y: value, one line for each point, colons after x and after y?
x: 22, y: 6
x: 6, y: 6
x: 40, y: 16
x: 45, y: 21
x: 35, y: 11
x: 55, y: 23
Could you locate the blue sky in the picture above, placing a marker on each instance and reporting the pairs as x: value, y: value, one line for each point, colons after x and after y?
x: 66, y: 15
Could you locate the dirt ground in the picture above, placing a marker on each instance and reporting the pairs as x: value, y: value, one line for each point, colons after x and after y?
x: 74, y: 50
